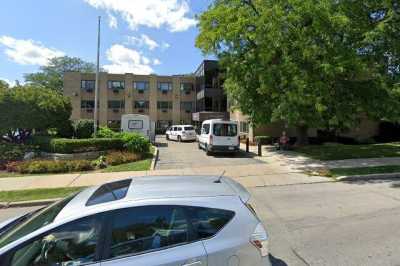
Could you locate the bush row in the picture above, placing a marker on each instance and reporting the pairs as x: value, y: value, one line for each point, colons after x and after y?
x: 50, y: 166
x: 68, y: 146
x: 11, y: 152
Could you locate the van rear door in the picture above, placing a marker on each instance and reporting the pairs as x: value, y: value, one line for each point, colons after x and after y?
x: 225, y: 134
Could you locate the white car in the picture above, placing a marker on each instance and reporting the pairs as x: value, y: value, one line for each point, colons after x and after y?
x: 219, y: 135
x: 181, y: 133
x: 144, y: 221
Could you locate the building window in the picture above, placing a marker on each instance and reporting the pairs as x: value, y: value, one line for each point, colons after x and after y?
x: 116, y: 85
x: 187, y: 106
x: 141, y: 104
x: 164, y: 105
x: 244, y: 127
x: 163, y: 124
x: 164, y: 87
x: 141, y: 86
x: 116, y: 104
x: 186, y: 87
x: 88, y: 85
x: 87, y: 104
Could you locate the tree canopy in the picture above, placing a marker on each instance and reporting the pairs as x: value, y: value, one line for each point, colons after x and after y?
x: 27, y: 108
x: 322, y: 64
x: 51, y: 76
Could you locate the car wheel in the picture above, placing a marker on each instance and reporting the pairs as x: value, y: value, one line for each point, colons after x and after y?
x: 179, y: 139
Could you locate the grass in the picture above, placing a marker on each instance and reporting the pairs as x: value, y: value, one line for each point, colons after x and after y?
x: 37, y: 194
x: 341, y: 152
x: 142, y: 165
x: 365, y: 170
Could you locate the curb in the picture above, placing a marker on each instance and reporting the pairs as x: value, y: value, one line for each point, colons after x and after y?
x: 369, y: 177
x: 33, y: 203
x: 155, y: 158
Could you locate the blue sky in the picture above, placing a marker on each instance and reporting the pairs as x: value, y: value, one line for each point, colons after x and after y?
x: 139, y: 36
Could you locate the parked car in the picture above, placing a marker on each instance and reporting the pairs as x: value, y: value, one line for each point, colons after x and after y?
x: 148, y: 221
x: 219, y: 135
x: 181, y: 133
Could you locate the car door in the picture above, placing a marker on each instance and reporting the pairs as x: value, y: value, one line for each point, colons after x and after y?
x: 152, y: 236
x: 75, y: 243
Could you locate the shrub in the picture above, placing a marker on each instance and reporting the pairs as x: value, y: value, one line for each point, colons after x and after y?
x: 11, y: 152
x: 57, y: 145
x: 83, y: 128
x: 135, y: 143
x: 105, y: 132
x: 48, y: 166
x: 264, y: 140
x: 117, y: 157
x: 65, y: 130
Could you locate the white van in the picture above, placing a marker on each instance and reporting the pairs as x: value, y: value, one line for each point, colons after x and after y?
x: 140, y: 124
x: 219, y: 135
x: 181, y: 133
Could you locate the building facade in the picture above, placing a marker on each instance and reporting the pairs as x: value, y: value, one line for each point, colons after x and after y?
x: 177, y: 99
x: 166, y: 99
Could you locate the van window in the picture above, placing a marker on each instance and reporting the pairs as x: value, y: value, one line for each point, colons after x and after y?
x: 225, y: 130
x: 188, y: 128
x: 179, y: 128
x: 206, y: 129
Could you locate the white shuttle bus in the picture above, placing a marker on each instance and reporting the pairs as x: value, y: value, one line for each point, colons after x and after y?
x: 140, y: 124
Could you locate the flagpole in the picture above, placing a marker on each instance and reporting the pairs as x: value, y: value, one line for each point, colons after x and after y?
x: 96, y: 90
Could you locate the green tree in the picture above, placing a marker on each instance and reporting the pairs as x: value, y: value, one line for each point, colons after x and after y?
x: 51, y: 76
x: 322, y: 64
x: 27, y: 108
x: 3, y: 85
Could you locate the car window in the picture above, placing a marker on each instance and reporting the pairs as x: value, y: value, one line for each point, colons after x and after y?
x: 37, y: 221
x: 207, y: 222
x: 148, y: 228
x: 109, y: 192
x: 225, y: 130
x: 71, y: 244
x: 179, y: 128
x: 188, y: 128
x: 174, y: 129
x: 206, y: 129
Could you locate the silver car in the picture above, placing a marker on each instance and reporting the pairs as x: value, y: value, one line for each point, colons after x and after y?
x: 164, y: 220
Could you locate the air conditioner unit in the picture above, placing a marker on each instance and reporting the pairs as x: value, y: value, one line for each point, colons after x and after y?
x: 141, y: 91
x: 115, y: 90
x: 164, y: 110
x: 187, y: 92
x: 116, y: 110
x: 188, y: 111
x: 141, y: 111
x: 89, y: 110
x: 164, y: 92
x: 89, y: 90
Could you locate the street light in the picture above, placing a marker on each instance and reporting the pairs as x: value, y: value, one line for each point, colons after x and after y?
x: 96, y: 89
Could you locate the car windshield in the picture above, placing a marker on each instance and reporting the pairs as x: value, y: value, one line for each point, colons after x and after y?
x: 225, y: 130
x: 188, y: 128
x: 37, y: 221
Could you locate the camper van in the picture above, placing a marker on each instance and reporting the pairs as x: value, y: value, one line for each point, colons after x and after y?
x: 219, y: 135
x: 140, y: 124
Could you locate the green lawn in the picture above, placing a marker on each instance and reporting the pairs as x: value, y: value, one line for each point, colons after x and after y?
x: 340, y: 152
x: 36, y: 194
x: 142, y: 165
x: 365, y: 170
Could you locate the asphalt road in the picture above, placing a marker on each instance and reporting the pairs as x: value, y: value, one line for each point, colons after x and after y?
x: 176, y: 155
x: 332, y: 223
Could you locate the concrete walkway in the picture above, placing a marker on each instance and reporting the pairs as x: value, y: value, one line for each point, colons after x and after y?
x: 295, y: 162
x: 252, y: 175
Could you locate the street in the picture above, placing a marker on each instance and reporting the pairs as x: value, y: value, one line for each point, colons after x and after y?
x: 326, y: 223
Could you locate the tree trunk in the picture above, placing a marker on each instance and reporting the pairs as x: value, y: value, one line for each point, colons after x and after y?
x: 302, y: 135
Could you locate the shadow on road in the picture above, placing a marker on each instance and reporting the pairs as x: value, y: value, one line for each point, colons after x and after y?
x: 276, y: 261
x: 394, y: 182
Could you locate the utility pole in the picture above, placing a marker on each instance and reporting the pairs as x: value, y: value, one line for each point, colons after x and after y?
x: 96, y: 89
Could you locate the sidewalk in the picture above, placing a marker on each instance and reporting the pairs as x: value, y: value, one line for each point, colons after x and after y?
x: 295, y: 162
x: 252, y: 175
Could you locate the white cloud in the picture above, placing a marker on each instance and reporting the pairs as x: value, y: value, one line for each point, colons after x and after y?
x: 125, y: 60
x: 150, y: 13
x: 142, y: 41
x: 156, y: 62
x: 28, y: 52
x: 165, y: 46
x: 9, y: 82
x: 112, y: 21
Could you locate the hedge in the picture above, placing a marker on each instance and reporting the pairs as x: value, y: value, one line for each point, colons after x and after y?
x: 68, y: 146
x: 48, y: 166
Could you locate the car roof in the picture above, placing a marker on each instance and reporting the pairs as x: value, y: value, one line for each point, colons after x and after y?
x: 159, y: 187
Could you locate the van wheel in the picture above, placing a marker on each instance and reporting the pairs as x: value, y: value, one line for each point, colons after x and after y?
x: 179, y: 139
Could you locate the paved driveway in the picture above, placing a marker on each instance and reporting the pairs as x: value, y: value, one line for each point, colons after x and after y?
x: 178, y: 155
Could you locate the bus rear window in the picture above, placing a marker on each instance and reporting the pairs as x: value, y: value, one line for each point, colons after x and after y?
x: 225, y: 130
